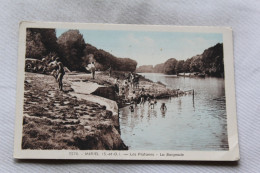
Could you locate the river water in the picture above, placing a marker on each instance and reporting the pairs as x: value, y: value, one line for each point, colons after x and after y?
x: 188, y: 124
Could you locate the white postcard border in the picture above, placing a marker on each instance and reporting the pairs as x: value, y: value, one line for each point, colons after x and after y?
x: 231, y: 155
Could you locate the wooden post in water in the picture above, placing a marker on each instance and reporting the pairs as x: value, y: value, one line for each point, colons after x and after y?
x: 193, y: 98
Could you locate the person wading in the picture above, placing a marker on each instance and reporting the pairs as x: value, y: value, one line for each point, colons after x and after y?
x: 60, y: 74
x: 163, y: 107
x: 142, y: 95
x: 152, y: 102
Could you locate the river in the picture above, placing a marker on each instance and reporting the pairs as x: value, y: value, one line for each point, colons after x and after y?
x: 188, y: 124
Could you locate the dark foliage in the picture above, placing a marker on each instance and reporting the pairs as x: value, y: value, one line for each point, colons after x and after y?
x: 186, y: 65
x: 105, y: 60
x: 71, y: 48
x: 196, y: 64
x: 170, y: 66
x: 210, y: 62
x: 40, y: 42
x: 179, y: 66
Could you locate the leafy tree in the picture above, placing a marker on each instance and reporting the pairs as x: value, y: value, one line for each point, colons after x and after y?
x: 40, y: 42
x: 104, y: 58
x: 186, y: 65
x: 49, y: 39
x: 170, y: 66
x: 71, y: 48
x: 212, y: 60
x: 219, y: 65
x: 196, y: 64
x: 179, y: 66
x: 125, y: 64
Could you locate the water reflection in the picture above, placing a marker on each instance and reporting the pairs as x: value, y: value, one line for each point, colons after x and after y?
x: 163, y: 113
x: 181, y: 126
x: 179, y: 105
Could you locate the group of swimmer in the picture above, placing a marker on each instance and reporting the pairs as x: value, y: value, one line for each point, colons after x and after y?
x: 151, y: 104
x: 128, y: 89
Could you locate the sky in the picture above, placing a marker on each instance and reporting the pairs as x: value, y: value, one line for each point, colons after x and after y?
x: 149, y: 47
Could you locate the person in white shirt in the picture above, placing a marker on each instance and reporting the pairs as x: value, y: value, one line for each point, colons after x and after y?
x: 92, y: 69
x: 54, y: 62
x: 53, y: 66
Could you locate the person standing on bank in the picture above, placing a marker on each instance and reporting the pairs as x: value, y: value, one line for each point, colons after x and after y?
x: 92, y: 69
x: 126, y: 88
x: 53, y: 66
x: 110, y: 71
x: 60, y: 74
x: 117, y: 85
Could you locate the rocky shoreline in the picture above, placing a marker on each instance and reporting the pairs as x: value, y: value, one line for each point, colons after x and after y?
x: 84, y: 116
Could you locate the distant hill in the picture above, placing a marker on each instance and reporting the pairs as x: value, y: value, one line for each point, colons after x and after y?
x: 209, y: 62
x: 145, y: 69
x: 158, y: 68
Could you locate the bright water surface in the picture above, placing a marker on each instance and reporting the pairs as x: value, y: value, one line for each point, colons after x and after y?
x: 186, y: 125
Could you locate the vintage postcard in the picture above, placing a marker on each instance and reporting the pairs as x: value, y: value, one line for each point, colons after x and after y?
x: 125, y: 92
